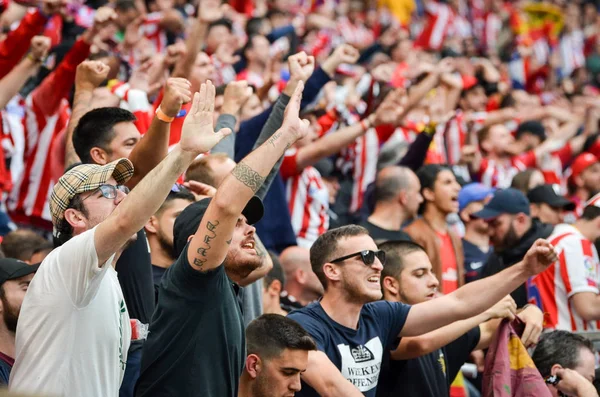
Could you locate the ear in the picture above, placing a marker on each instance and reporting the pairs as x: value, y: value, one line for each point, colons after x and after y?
x: 151, y: 225
x: 533, y: 210
x: 555, y: 368
x: 301, y: 276
x: 75, y: 218
x: 190, y: 238
x: 578, y: 181
x: 465, y: 216
x: 332, y: 271
x: 99, y: 155
x: 486, y: 145
x: 522, y: 218
x: 253, y: 365
x: 391, y: 285
x: 428, y: 194
x: 274, y: 288
x: 402, y: 198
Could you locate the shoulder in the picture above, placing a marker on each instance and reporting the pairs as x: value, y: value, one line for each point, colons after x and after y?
x: 385, y: 309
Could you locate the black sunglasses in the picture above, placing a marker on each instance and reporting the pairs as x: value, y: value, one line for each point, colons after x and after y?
x: 110, y: 191
x: 367, y: 256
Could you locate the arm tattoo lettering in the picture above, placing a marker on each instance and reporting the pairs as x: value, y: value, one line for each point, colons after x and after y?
x: 275, y: 137
x: 248, y: 176
x: 202, y: 251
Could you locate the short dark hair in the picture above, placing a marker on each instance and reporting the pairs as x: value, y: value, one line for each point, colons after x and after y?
x: 221, y: 22
x: 253, y: 25
x: 395, y: 252
x: 64, y: 231
x: 200, y: 170
x: 21, y: 244
x: 325, y: 247
x: 388, y: 187
x: 125, y: 5
x: 95, y: 129
x: 180, y: 193
x: 521, y: 180
x: 427, y: 175
x: 276, y: 272
x: 590, y: 213
x: 559, y: 347
x: 270, y: 334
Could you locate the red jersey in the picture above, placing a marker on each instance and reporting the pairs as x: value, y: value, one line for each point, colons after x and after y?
x: 577, y: 270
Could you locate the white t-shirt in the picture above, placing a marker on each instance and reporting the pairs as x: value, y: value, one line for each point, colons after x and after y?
x: 73, y: 332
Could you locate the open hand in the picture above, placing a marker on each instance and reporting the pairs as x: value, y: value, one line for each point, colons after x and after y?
x: 177, y: 92
x: 200, y: 189
x: 572, y: 383
x: 541, y: 255
x: 292, y: 124
x: 40, y: 45
x: 90, y: 74
x: 197, y: 134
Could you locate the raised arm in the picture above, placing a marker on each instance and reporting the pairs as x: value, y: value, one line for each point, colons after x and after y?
x: 473, y: 298
x: 209, y: 245
x: 133, y: 212
x: 154, y: 145
x: 326, y: 379
x: 416, y: 346
x: 388, y: 112
x: 89, y: 75
x: 18, y: 76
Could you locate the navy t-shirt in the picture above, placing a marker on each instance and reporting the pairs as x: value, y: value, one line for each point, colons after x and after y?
x: 475, y: 260
x: 430, y: 375
x: 357, y: 353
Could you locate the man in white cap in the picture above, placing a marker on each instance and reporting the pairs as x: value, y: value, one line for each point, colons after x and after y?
x: 74, y: 329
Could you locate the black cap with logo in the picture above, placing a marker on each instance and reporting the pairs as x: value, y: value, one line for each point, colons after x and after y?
x: 11, y: 269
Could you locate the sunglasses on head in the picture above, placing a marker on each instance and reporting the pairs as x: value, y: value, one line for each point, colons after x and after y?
x: 367, y: 256
x: 110, y: 191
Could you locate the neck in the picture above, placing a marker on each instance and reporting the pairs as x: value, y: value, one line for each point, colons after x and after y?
x: 435, y: 218
x: 588, y: 229
x: 388, y: 216
x: 273, y: 307
x: 158, y: 256
x: 303, y: 296
x: 582, y: 194
x: 255, y: 67
x: 479, y: 239
x: 245, y: 389
x: 7, y: 341
x: 341, y: 311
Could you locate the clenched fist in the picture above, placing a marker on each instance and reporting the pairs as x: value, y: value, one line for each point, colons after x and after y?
x: 177, y: 92
x: 541, y: 255
x: 90, y: 74
x: 301, y: 66
x: 40, y: 45
x: 236, y: 94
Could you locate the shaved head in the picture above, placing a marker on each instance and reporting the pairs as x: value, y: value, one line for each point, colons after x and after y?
x: 391, y: 181
x: 294, y: 258
x: 301, y: 281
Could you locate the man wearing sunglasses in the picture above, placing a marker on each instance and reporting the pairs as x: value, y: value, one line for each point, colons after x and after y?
x: 74, y: 329
x: 352, y: 327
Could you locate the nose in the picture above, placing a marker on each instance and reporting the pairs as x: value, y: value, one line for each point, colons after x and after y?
x: 433, y: 281
x: 251, y: 230
x: 120, y: 196
x: 295, y: 385
x: 377, y: 265
x: 419, y: 198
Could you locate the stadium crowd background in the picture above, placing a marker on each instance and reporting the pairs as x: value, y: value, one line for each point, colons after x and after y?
x: 463, y: 136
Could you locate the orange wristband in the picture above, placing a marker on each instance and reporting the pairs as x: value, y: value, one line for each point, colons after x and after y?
x: 162, y: 116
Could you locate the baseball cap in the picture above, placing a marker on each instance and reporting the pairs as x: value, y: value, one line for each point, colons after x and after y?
x: 11, y: 269
x: 473, y: 192
x: 188, y: 221
x: 85, y: 178
x: 505, y: 201
x: 581, y: 162
x: 547, y: 194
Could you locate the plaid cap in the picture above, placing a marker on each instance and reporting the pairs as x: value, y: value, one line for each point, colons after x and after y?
x: 85, y: 178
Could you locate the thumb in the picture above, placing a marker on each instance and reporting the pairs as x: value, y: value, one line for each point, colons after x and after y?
x: 223, y: 132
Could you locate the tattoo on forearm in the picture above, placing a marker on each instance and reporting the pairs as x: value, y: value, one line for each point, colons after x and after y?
x: 273, y: 139
x: 248, y: 176
x: 203, y: 251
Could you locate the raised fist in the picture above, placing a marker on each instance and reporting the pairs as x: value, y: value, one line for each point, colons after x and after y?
x: 90, y: 74
x: 177, y: 92
x: 40, y: 45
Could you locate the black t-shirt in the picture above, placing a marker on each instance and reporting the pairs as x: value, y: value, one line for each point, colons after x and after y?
x: 430, y: 375
x: 357, y: 353
x: 157, y: 275
x: 134, y: 270
x: 380, y: 235
x: 196, y: 345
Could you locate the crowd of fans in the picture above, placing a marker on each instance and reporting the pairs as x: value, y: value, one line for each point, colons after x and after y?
x: 299, y: 197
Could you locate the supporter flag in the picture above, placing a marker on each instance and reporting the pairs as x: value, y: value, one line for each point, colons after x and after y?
x: 509, y: 370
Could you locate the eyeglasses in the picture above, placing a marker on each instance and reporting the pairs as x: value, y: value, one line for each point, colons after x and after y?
x: 367, y: 256
x: 110, y: 191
